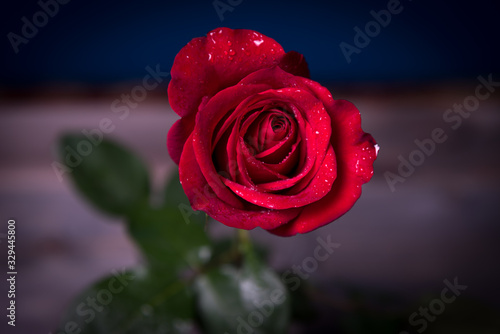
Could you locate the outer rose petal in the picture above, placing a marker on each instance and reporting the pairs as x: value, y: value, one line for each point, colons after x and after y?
x: 355, y: 152
x: 206, y: 65
x: 202, y: 197
x: 209, y: 64
x: 295, y: 63
x: 178, y: 135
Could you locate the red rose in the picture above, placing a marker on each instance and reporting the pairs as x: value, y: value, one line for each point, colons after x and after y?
x: 260, y: 144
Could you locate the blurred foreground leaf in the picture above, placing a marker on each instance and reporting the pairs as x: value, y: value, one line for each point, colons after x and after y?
x: 174, y: 194
x: 248, y: 299
x: 132, y: 302
x: 171, y: 237
x: 107, y: 174
x: 167, y: 242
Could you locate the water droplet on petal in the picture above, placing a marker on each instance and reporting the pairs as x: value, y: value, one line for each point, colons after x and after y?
x: 258, y: 42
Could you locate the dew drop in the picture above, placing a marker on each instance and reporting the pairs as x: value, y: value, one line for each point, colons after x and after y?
x: 258, y: 42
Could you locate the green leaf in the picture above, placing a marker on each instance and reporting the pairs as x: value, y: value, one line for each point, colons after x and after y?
x: 248, y: 299
x: 132, y: 302
x: 174, y: 196
x: 107, y: 174
x: 167, y: 242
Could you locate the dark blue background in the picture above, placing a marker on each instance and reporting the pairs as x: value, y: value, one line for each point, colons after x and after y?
x: 103, y: 42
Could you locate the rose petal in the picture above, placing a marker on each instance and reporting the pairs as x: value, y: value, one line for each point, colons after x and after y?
x: 256, y: 170
x: 207, y: 120
x: 314, y: 124
x: 202, y: 197
x: 207, y: 65
x: 240, y: 174
x: 279, y: 145
x: 355, y: 155
x: 178, y: 135
x: 284, y: 168
x: 295, y: 63
x: 319, y: 187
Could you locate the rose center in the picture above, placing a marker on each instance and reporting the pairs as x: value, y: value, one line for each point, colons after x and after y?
x: 267, y: 130
x: 278, y: 123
